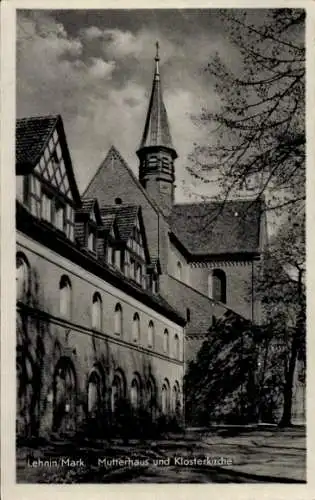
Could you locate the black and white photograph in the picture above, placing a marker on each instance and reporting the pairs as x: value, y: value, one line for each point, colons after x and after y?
x: 160, y: 254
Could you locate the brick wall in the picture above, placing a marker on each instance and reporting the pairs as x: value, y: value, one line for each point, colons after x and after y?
x: 202, y: 310
x: 238, y: 284
x: 174, y: 257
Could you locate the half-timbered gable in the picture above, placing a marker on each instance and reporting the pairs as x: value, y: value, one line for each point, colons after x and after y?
x: 45, y: 180
x: 126, y: 244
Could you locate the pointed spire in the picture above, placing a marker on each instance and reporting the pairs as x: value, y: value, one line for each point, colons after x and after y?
x: 156, y: 131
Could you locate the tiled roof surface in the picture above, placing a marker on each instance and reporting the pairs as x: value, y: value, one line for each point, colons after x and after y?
x: 87, y: 205
x: 125, y: 216
x: 107, y: 220
x: 156, y: 130
x: 218, y: 227
x: 32, y: 135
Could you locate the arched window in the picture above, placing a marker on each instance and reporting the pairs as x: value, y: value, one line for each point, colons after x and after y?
x: 151, y: 334
x: 136, y: 328
x: 94, y: 393
x: 176, y: 346
x: 166, y: 397
x: 179, y: 271
x: 118, y: 319
x: 64, y: 397
x: 219, y: 285
x: 97, y: 312
x: 166, y: 341
x: 65, y: 297
x: 176, y: 406
x: 25, y: 391
x: 151, y: 396
x: 118, y: 391
x: 22, y: 277
x: 135, y: 394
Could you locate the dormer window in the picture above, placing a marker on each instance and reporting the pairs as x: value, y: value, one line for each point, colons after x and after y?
x: 109, y: 254
x: 113, y: 262
x: 155, y: 284
x: 92, y: 239
x: 117, y: 258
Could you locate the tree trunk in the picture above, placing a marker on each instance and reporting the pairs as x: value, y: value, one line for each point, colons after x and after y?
x: 262, y: 380
x: 288, y: 387
x: 296, y: 342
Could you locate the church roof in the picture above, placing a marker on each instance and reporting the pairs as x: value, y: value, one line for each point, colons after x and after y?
x: 218, y: 227
x: 156, y: 130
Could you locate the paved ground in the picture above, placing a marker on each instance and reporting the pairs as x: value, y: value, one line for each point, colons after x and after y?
x: 224, y: 454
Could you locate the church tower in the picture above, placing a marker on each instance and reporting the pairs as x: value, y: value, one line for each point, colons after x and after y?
x: 156, y: 152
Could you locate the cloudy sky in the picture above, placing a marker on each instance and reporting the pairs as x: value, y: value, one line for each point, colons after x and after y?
x: 95, y: 68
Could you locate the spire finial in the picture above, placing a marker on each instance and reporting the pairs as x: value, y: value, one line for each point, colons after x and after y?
x: 157, y: 57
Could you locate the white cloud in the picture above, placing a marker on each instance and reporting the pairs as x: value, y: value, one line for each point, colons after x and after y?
x: 59, y: 73
x: 92, y: 32
x: 118, y: 44
x: 101, y: 68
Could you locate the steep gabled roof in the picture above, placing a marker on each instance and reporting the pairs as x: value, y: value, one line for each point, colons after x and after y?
x: 125, y: 216
x: 89, y: 205
x: 218, y: 227
x: 32, y: 137
x: 108, y: 219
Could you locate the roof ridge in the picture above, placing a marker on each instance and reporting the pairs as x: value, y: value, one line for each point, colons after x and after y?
x: 119, y: 205
x: 39, y: 117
